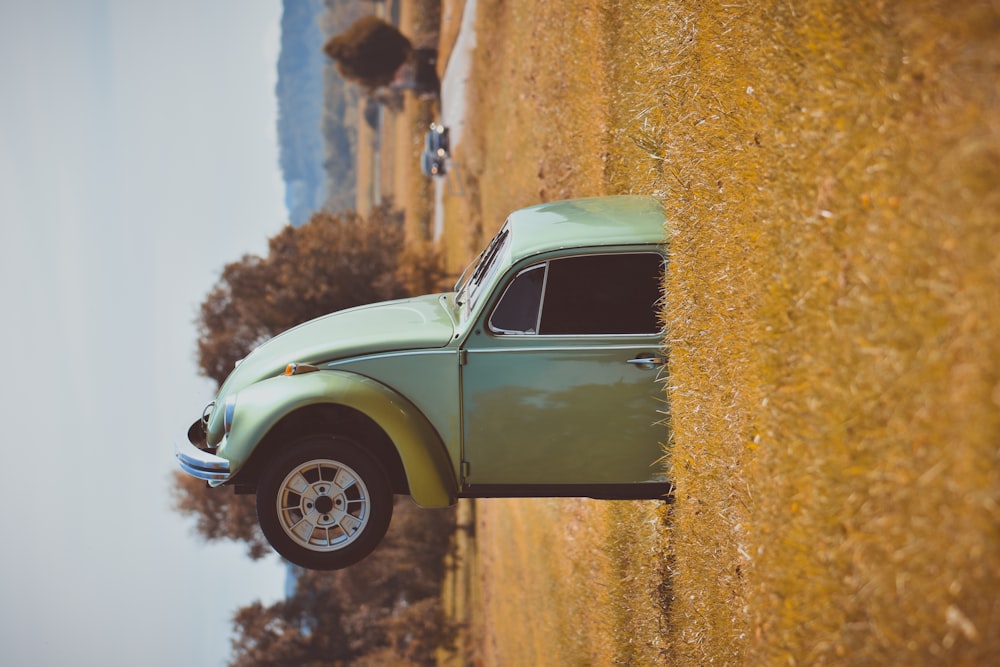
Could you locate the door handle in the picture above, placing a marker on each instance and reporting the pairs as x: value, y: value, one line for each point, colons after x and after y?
x: 649, y: 362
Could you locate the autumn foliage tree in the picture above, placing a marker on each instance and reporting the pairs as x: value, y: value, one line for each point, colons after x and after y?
x: 330, y: 263
x: 369, y: 52
x: 385, y: 610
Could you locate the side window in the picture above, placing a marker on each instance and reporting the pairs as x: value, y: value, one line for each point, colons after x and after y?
x: 517, y: 312
x: 587, y: 295
x: 603, y: 294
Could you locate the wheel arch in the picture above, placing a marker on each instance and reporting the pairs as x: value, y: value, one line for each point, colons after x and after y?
x: 275, y: 412
x: 321, y: 419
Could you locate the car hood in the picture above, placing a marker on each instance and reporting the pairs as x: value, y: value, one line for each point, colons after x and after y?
x: 407, y: 324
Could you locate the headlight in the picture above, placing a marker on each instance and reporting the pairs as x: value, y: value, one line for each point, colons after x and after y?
x: 227, y: 420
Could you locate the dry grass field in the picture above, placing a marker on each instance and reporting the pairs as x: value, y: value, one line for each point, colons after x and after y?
x: 412, y: 191
x: 833, y: 311
x: 394, y: 151
x: 830, y: 177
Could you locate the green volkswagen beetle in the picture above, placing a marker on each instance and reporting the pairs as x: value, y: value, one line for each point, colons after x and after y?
x: 536, y: 376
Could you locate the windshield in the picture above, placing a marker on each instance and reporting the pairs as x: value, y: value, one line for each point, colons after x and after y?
x: 469, y: 286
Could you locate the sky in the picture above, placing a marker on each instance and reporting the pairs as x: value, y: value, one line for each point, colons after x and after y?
x: 138, y: 155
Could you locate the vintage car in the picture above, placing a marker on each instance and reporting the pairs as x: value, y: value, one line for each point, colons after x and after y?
x: 437, y: 148
x: 438, y: 138
x: 536, y: 376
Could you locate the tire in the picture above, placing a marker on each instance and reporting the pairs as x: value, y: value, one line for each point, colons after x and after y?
x: 325, y: 503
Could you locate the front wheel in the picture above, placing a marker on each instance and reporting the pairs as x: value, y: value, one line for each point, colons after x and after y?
x: 325, y: 503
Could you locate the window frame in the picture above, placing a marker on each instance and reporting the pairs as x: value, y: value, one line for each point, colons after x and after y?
x: 544, y: 267
x: 533, y: 264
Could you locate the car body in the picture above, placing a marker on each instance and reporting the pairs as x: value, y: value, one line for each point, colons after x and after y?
x: 434, y: 164
x: 437, y: 149
x: 536, y: 376
x: 438, y: 138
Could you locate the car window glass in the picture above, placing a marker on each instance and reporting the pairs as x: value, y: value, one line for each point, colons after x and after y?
x: 518, y: 309
x: 603, y: 294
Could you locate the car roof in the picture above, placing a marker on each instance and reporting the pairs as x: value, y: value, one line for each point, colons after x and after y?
x: 585, y: 223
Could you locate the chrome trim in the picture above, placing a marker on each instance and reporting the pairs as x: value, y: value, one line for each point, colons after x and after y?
x: 227, y: 419
x: 538, y: 312
x: 332, y: 365
x: 560, y: 348
x: 647, y: 363
x: 198, y: 463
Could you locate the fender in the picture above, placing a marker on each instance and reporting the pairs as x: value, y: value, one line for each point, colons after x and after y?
x: 262, y: 405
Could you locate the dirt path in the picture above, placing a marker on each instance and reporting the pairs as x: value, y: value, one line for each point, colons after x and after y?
x: 453, y: 82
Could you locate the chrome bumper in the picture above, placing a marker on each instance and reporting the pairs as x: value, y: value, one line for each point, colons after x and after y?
x: 199, y: 463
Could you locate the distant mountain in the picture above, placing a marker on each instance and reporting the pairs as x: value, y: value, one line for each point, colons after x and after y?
x: 300, y: 108
x: 317, y: 110
x: 341, y: 105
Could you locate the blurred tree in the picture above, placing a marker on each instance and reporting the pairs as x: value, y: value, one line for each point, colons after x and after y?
x: 289, y: 634
x: 369, y: 52
x: 330, y: 263
x: 384, y: 610
x: 219, y: 514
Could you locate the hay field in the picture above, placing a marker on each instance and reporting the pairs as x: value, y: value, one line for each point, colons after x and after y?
x: 833, y: 309
x: 830, y: 177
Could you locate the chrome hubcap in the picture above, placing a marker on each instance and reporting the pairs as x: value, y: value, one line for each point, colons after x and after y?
x: 323, y: 505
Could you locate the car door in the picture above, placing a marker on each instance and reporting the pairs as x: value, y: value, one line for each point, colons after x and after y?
x: 559, y: 380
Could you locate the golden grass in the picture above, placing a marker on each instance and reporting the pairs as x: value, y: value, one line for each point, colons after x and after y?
x: 451, y: 22
x: 420, y: 20
x: 553, y: 589
x: 418, y: 201
x: 561, y: 581
x: 536, y: 127
x: 460, y: 590
x: 530, y: 127
x: 830, y: 175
